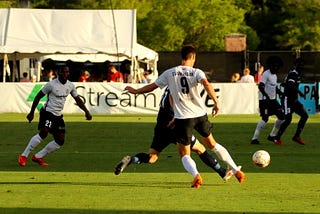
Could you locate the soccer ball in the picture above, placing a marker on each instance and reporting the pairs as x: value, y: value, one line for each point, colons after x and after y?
x: 261, y: 158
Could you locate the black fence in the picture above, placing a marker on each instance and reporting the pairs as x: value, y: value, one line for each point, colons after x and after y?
x: 219, y: 66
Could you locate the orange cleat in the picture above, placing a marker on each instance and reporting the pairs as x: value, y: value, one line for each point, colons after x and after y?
x: 298, y: 140
x: 240, y: 176
x: 278, y: 142
x: 22, y: 160
x: 197, y: 181
x: 40, y: 161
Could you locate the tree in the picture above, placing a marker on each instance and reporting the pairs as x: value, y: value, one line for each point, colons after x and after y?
x: 8, y: 4
x: 171, y: 24
x: 300, y: 25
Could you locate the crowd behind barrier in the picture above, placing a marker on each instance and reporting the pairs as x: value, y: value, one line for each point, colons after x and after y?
x: 110, y: 98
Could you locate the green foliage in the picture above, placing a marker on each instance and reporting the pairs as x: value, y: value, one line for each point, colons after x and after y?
x: 165, y: 25
x: 8, y: 4
x: 301, y: 25
x: 170, y: 24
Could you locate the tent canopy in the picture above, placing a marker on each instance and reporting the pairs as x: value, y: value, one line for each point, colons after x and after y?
x: 30, y: 33
x: 143, y: 53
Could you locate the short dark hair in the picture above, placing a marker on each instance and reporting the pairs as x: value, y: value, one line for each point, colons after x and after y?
x: 274, y: 60
x: 187, y: 51
x: 63, y: 68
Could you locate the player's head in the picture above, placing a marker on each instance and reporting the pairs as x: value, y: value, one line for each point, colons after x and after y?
x: 63, y: 74
x: 298, y: 63
x: 274, y: 63
x: 188, y: 52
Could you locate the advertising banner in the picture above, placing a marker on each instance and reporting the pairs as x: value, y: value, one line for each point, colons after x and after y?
x: 110, y: 98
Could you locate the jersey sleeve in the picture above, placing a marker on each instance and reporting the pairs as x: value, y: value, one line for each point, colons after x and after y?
x: 200, y: 75
x: 264, y: 77
x: 73, y: 90
x: 162, y: 80
x: 47, y: 88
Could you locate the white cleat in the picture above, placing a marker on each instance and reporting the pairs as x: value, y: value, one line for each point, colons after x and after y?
x: 122, y: 165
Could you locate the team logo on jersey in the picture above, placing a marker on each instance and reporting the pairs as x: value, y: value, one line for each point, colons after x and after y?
x: 33, y: 94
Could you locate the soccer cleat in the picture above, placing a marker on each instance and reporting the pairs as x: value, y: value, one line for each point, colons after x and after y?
x: 197, y: 181
x: 240, y: 176
x: 271, y: 138
x: 255, y: 141
x: 278, y: 142
x: 298, y: 140
x: 22, y: 160
x: 122, y: 165
x: 228, y: 175
x: 40, y: 161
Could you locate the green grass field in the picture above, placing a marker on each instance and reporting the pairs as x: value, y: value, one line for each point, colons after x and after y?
x: 80, y: 176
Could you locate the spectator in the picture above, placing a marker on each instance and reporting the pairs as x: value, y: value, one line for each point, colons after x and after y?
x: 25, y: 77
x: 258, y: 75
x: 48, y: 76
x: 114, y: 75
x: 34, y: 78
x: 85, y: 76
x: 235, y: 77
x: 141, y: 76
x: 148, y: 75
x: 247, y: 78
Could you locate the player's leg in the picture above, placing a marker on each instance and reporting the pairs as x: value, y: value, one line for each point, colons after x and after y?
x: 209, y: 160
x: 183, y: 129
x: 138, y: 158
x: 301, y: 111
x: 278, y: 111
x: 36, y: 139
x: 189, y: 164
x: 288, y: 110
x: 58, y: 132
x: 161, y: 139
x: 204, y: 129
x: 261, y: 124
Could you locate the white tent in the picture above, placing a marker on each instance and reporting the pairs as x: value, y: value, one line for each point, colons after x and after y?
x: 141, y: 52
x: 32, y: 33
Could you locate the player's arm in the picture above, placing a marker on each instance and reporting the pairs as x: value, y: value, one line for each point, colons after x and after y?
x: 261, y: 87
x: 83, y: 107
x: 35, y: 103
x: 171, y: 122
x: 279, y: 92
x: 210, y: 90
x: 292, y: 87
x: 144, y: 89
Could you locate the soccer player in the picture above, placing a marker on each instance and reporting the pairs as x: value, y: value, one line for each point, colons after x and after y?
x: 190, y: 112
x: 163, y: 136
x: 291, y: 103
x: 51, y: 118
x: 268, y: 103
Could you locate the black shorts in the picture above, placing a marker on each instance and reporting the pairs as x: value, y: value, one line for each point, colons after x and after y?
x: 55, y: 124
x: 184, y: 128
x: 270, y: 107
x: 164, y: 136
x: 291, y: 106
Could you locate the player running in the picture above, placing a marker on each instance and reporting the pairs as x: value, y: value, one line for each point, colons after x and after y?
x: 51, y: 118
x: 268, y: 103
x: 164, y: 135
x: 291, y: 104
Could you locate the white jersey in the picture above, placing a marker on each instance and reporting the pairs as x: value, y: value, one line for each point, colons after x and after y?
x: 57, y: 94
x: 183, y: 83
x: 270, y: 82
